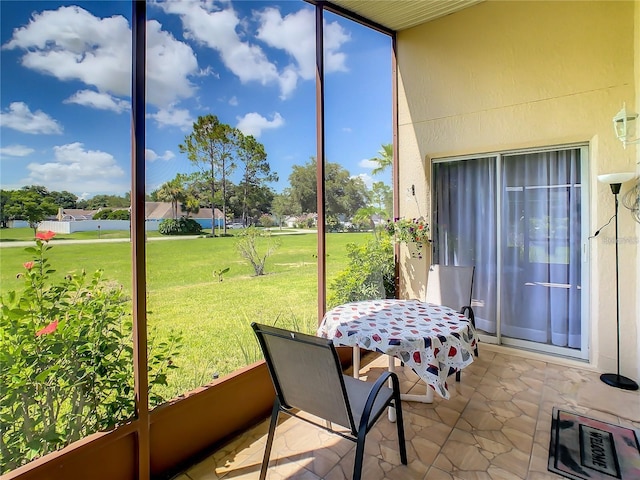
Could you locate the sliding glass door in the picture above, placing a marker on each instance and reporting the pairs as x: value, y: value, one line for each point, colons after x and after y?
x: 518, y: 217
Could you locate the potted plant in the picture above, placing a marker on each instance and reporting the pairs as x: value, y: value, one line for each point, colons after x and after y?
x: 412, y: 231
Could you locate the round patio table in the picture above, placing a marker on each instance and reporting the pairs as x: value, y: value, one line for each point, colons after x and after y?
x: 433, y: 340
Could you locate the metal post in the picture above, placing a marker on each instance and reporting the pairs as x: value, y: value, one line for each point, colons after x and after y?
x: 139, y: 280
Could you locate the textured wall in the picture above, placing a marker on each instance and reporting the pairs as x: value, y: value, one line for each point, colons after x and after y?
x: 508, y: 75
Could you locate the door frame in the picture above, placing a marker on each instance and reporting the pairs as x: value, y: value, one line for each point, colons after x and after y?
x: 585, y: 317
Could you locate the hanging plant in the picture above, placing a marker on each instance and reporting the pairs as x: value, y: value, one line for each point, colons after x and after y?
x: 414, y: 232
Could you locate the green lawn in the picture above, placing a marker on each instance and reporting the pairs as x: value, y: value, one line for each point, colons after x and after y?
x: 22, y: 234
x: 184, y: 295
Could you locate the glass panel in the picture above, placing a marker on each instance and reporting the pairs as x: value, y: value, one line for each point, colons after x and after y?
x: 230, y: 124
x: 540, y: 265
x: 541, y: 219
x: 66, y: 368
x: 464, y: 228
x: 359, y: 201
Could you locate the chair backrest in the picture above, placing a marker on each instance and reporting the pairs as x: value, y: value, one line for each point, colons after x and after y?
x: 450, y: 286
x: 306, y: 373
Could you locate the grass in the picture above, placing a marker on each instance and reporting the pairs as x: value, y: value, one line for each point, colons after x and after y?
x: 24, y: 234
x: 184, y: 295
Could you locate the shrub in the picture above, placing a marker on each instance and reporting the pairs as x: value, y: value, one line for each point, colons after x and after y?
x: 334, y: 225
x: 109, y: 214
x: 370, y: 273
x: 266, y: 221
x: 181, y: 226
x: 66, y: 360
x: 103, y: 214
x: 119, y: 215
x: 256, y: 246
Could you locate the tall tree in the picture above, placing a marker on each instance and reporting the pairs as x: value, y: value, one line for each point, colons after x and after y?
x: 344, y: 194
x: 303, y: 188
x: 31, y: 205
x: 283, y: 205
x: 64, y: 199
x: 381, y: 197
x: 101, y: 201
x: 212, y: 147
x: 5, y: 200
x: 256, y: 172
x: 384, y: 158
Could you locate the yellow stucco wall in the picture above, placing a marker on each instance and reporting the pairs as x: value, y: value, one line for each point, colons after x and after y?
x: 506, y: 75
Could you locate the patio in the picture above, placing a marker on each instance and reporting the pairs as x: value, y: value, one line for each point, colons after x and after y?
x: 495, y: 426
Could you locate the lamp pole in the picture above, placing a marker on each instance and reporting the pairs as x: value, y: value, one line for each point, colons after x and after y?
x: 615, y: 379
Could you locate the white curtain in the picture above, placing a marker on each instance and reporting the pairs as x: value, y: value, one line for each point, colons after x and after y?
x: 464, y: 228
x: 539, y: 239
x: 541, y: 247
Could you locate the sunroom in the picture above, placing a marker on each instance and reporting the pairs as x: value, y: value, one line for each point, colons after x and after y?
x: 502, y: 124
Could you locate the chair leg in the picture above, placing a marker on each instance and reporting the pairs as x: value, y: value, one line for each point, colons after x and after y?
x: 272, y: 430
x: 400, y: 424
x: 357, y: 464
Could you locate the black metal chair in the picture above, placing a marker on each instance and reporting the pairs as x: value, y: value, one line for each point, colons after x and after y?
x: 451, y: 286
x: 307, y: 376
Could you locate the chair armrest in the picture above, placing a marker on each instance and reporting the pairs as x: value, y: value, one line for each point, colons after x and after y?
x: 373, y: 394
x: 468, y: 311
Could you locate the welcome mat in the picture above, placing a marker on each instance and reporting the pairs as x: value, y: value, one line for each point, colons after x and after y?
x: 586, y: 448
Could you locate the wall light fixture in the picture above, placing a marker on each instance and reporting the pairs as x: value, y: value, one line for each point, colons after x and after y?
x: 624, y: 124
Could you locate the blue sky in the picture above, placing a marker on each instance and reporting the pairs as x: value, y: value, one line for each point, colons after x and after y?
x: 65, y: 92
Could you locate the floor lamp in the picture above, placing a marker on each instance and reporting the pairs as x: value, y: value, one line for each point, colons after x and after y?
x: 615, y: 180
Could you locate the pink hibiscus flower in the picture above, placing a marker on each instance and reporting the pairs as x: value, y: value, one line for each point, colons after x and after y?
x: 45, y: 236
x: 48, y: 329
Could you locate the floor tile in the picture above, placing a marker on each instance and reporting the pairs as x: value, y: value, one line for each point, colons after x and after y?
x: 495, y: 426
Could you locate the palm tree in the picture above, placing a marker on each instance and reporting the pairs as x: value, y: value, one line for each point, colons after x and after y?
x: 384, y: 159
x: 173, y: 191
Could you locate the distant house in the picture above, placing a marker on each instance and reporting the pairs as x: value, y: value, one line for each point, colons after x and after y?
x: 305, y: 218
x: 69, y: 220
x: 74, y: 214
x: 157, y: 211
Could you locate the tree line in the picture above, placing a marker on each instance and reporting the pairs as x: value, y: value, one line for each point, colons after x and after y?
x: 216, y: 151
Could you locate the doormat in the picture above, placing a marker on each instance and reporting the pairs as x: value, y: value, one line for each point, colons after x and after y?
x: 586, y: 448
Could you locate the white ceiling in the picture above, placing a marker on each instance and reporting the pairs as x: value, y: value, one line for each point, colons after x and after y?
x: 402, y: 14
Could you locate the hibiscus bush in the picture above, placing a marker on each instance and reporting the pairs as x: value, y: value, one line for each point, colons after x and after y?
x: 369, y: 275
x: 66, y: 359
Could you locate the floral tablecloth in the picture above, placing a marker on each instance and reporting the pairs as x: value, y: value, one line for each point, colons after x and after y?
x: 431, y: 339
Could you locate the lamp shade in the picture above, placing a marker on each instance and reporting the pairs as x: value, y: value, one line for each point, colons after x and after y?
x: 612, y: 178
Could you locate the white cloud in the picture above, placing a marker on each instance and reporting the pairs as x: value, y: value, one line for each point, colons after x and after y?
x: 217, y: 25
x: 101, y: 101
x: 253, y: 123
x: 233, y: 101
x: 169, y: 64
x: 347, y: 129
x: 295, y: 34
x: 207, y: 23
x: 92, y: 170
x: 366, y: 163
x: 152, y: 156
x: 173, y: 117
x: 19, y: 117
x: 72, y: 44
x: 367, y: 179
x: 16, y: 151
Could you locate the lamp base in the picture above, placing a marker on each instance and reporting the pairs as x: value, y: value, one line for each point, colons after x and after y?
x: 619, y: 381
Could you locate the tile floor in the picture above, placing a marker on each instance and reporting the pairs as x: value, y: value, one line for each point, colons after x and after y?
x: 495, y: 426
